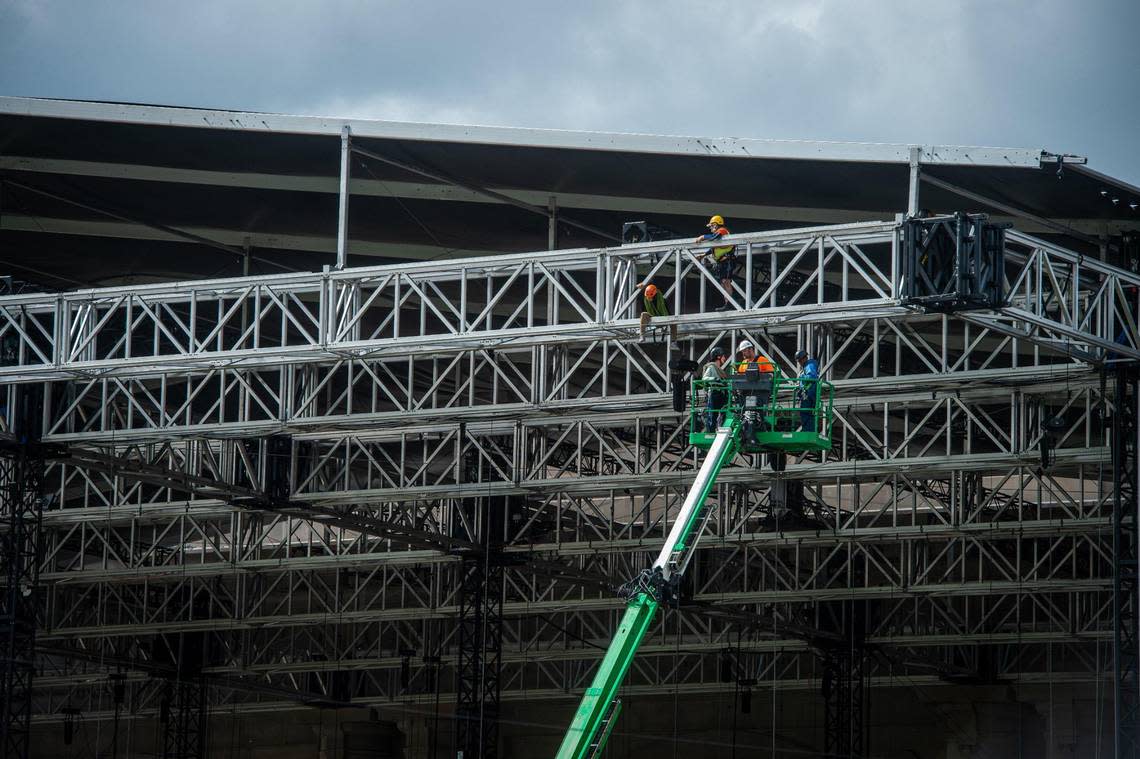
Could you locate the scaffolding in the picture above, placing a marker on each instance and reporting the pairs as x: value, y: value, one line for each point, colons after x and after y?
x: 408, y: 390
x: 22, y: 468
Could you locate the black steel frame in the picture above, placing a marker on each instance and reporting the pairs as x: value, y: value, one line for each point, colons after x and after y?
x: 1126, y: 576
x: 21, y: 502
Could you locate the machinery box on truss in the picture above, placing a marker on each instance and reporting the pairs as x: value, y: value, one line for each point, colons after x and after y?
x: 953, y: 263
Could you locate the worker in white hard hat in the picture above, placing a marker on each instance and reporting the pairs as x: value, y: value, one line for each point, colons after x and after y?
x: 750, y: 358
x: 724, y: 256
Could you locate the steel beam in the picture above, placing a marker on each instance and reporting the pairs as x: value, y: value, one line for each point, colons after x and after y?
x: 343, y: 197
x: 726, y: 147
x: 328, y: 185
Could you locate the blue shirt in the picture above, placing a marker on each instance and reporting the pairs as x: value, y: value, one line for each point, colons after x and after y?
x: 809, y: 371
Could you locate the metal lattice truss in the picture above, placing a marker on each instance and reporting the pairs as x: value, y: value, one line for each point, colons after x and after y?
x: 410, y: 391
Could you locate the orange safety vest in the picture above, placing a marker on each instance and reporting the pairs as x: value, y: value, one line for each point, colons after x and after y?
x: 721, y: 251
x: 765, y: 366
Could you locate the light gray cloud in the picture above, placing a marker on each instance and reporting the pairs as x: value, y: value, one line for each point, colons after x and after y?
x: 1051, y: 73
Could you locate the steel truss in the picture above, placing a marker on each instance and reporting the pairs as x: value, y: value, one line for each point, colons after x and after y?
x: 21, y: 507
x: 1126, y: 544
x: 386, y: 398
x: 781, y: 665
x: 528, y: 300
x: 183, y: 713
x: 22, y: 465
x: 844, y: 709
x: 480, y: 651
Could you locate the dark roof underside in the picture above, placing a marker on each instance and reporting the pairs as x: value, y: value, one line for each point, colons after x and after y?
x: 256, y: 191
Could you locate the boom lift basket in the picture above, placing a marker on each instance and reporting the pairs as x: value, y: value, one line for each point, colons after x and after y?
x: 781, y: 414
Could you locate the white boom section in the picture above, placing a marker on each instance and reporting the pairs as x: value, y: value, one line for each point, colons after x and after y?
x: 682, y: 538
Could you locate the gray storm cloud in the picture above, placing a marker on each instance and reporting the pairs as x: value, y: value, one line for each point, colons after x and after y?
x: 1051, y: 74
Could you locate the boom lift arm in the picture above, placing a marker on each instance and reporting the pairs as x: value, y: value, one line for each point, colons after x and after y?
x: 599, y: 707
x: 758, y: 418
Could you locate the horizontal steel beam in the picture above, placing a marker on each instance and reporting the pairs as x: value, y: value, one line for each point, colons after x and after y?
x: 159, y: 117
x: 851, y: 471
x: 980, y: 531
x: 590, y: 651
x: 527, y: 608
x: 436, y: 191
x: 56, y: 334
x: 422, y: 704
x: 263, y: 241
x: 781, y: 319
x: 918, y: 466
x: 913, y: 390
x: 858, y: 535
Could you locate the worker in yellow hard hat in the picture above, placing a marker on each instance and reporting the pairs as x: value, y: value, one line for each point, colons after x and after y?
x: 653, y: 304
x: 724, y: 256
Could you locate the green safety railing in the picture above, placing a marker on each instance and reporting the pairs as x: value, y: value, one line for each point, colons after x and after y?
x: 796, y: 415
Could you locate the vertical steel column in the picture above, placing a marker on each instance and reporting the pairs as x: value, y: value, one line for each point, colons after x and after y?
x: 915, y: 172
x: 22, y: 469
x: 836, y: 704
x: 21, y: 504
x: 1125, y: 444
x: 843, y: 703
x: 843, y: 666
x: 552, y: 224
x: 184, y: 711
x: 479, y: 661
x: 1126, y: 575
x: 342, y: 209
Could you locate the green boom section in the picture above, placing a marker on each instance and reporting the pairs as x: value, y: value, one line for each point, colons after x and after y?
x: 596, y: 702
x: 586, y: 737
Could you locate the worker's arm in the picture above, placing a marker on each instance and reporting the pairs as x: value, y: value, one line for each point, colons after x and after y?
x: 809, y: 379
x: 712, y: 237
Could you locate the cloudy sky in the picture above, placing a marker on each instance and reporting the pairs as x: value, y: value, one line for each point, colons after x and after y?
x: 1058, y: 74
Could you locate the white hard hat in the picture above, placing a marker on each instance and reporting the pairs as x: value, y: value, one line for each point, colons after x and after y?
x: 743, y: 345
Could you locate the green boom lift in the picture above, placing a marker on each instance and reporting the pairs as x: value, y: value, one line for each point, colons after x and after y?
x: 751, y: 413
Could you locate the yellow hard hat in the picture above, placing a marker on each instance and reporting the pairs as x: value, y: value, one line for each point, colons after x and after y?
x: 716, y: 219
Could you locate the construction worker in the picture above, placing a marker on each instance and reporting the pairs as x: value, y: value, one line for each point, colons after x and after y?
x: 806, y: 392
x: 748, y: 356
x: 653, y: 304
x: 724, y: 256
x: 717, y: 398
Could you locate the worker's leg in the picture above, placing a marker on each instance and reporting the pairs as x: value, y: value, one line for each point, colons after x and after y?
x: 807, y: 416
x: 724, y: 270
x: 713, y: 410
x: 750, y: 420
x: 645, y: 317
